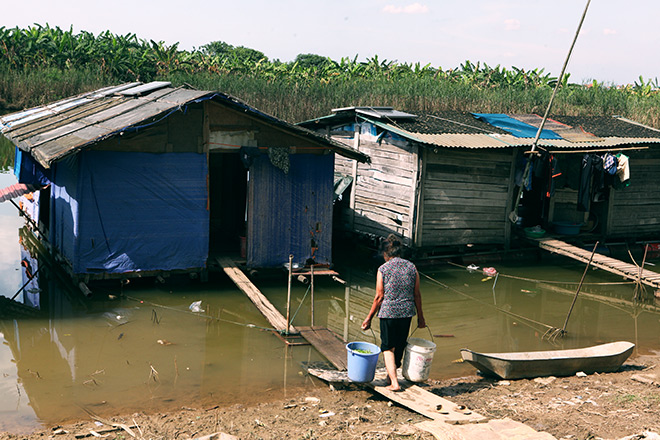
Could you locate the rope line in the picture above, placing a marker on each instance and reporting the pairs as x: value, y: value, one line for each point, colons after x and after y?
x: 199, y: 315
x: 537, y: 281
x: 300, y: 305
x: 515, y: 315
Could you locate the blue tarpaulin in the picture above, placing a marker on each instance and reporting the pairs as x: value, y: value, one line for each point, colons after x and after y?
x: 28, y: 171
x: 117, y: 212
x: 514, y: 126
x: 290, y: 213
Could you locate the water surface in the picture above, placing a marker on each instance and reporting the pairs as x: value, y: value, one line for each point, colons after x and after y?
x: 139, y: 347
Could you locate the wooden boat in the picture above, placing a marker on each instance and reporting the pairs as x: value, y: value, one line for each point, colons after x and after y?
x: 603, y: 358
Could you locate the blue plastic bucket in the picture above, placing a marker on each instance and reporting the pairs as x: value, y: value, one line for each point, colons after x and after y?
x: 362, y: 366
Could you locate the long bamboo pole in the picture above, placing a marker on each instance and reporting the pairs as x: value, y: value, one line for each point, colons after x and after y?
x: 513, y: 216
x: 577, y: 292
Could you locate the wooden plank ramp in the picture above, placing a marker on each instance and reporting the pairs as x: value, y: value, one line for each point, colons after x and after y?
x: 496, y: 429
x: 449, y: 421
x: 412, y: 396
x: 326, y: 342
x: 618, y: 267
x: 267, y: 309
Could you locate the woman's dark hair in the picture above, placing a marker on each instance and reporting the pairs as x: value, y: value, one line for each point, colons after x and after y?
x: 393, y: 246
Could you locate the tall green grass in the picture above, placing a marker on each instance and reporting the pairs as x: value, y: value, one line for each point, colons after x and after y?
x: 41, y: 64
x: 6, y: 154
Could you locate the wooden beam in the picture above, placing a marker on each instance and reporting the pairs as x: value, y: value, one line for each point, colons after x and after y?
x: 267, y: 309
x: 612, y: 265
x: 411, y: 396
x: 327, y: 343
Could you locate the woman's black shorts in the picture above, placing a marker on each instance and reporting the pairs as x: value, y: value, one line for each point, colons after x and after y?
x: 394, y: 335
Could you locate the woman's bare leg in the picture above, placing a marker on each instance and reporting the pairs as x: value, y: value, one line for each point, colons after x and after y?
x: 390, y: 365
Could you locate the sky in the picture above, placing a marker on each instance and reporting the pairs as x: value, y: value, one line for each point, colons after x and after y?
x: 618, y: 42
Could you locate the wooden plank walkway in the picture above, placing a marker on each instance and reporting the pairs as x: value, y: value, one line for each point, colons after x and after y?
x: 328, y: 343
x: 496, y: 429
x: 618, y: 267
x: 449, y: 421
x: 269, y: 311
x: 412, y: 396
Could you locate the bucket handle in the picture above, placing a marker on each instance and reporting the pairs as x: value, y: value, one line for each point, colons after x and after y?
x: 372, y: 334
x: 427, y: 328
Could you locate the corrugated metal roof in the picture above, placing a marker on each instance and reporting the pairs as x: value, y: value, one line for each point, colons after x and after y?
x: 54, y: 131
x: 497, y: 140
x: 508, y: 141
x: 453, y: 129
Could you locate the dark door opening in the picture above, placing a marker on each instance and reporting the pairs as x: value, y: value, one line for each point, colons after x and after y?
x: 227, y: 199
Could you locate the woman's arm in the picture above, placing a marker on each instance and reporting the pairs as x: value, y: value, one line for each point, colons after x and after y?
x: 378, y: 300
x: 421, y: 322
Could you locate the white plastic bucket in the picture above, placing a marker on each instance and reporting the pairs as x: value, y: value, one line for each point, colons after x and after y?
x: 417, y: 359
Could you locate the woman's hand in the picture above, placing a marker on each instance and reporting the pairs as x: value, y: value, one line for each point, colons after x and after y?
x: 421, y: 322
x: 366, y: 324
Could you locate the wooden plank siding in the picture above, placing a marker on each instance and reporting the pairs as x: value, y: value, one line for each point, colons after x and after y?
x: 465, y: 197
x: 383, y: 190
x: 634, y: 211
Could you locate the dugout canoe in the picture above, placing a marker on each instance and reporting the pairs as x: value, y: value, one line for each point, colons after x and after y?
x: 604, y: 358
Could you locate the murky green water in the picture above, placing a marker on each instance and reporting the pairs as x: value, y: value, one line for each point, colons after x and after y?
x: 148, y: 351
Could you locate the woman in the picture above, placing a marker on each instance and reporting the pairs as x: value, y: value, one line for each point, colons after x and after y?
x: 397, y: 299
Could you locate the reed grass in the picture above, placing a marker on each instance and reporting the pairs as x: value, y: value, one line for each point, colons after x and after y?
x: 41, y: 64
x: 6, y: 154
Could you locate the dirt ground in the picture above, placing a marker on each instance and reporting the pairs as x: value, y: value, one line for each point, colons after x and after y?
x: 618, y: 405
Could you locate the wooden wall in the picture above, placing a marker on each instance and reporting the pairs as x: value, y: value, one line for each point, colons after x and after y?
x: 635, y: 210
x: 384, y: 190
x: 465, y: 197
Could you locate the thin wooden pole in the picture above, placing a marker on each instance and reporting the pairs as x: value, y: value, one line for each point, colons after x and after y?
x: 599, y: 150
x: 513, y: 215
x: 639, y: 288
x: 563, y: 330
x: 288, y: 295
x: 28, y: 282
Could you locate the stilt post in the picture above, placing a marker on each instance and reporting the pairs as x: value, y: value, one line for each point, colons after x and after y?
x: 312, y: 295
x: 288, y: 295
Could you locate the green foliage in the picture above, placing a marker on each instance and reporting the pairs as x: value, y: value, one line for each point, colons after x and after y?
x: 40, y: 64
x: 6, y: 154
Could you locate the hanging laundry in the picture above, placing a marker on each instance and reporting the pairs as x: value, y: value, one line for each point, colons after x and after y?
x: 598, y: 189
x: 530, y: 174
x: 623, y: 169
x: 553, y: 174
x: 610, y: 163
x: 584, y: 191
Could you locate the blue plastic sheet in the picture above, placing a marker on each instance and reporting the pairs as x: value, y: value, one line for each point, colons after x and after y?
x: 128, y: 212
x: 290, y: 213
x: 28, y: 171
x: 514, y: 126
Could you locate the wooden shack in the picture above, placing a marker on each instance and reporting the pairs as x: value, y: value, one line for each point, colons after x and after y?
x: 449, y: 180
x: 142, y: 179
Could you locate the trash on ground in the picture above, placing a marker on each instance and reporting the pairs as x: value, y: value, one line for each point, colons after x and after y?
x: 196, y: 307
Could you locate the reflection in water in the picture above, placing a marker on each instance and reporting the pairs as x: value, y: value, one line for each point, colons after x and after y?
x: 140, y: 347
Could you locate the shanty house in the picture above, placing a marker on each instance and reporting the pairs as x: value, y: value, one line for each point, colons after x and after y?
x: 145, y: 178
x: 451, y: 179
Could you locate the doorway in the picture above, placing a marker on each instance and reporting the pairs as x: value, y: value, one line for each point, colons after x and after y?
x: 227, y: 202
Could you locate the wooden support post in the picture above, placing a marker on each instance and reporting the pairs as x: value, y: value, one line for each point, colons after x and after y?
x: 347, y: 318
x: 288, y: 295
x: 354, y: 175
x: 312, y: 295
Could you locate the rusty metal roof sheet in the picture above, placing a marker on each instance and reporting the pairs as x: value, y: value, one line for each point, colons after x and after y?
x: 497, y: 139
x: 455, y: 129
x: 54, y: 131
